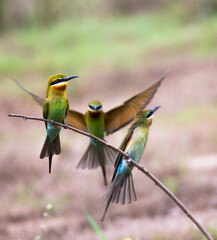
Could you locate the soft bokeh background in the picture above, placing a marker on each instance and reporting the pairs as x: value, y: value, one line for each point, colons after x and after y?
x: 118, y: 48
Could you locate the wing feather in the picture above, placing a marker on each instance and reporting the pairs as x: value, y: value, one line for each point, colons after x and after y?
x: 36, y: 98
x: 45, y: 110
x: 122, y: 147
x: 76, y: 119
x: 120, y: 116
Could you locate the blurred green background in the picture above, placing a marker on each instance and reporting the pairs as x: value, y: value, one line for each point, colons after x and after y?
x: 118, y: 48
x: 81, y: 36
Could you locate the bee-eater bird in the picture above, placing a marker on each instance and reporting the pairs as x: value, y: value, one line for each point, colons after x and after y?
x: 122, y: 187
x: 97, y: 122
x: 55, y: 108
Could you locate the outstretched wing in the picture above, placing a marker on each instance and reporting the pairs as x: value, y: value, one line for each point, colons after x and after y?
x: 36, y: 98
x: 76, y: 119
x: 120, y: 116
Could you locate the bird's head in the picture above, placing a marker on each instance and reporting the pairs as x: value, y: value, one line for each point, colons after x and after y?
x: 58, y: 82
x: 95, y: 106
x: 147, y: 115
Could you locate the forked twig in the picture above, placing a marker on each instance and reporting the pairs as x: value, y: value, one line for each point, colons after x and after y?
x: 130, y: 162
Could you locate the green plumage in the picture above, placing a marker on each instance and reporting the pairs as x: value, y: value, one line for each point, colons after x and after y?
x: 96, y: 154
x: 55, y: 108
x: 95, y: 125
x: 122, y: 187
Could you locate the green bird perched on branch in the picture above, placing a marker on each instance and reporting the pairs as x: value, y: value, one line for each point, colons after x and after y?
x: 98, y: 122
x: 55, y: 108
x: 122, y: 187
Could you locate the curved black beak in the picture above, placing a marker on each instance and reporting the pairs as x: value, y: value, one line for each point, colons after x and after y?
x: 70, y: 77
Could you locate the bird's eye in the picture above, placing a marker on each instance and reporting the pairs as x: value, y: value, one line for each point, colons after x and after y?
x: 91, y: 107
x: 149, y: 114
x: 55, y: 82
x: 99, y: 107
x: 58, y: 80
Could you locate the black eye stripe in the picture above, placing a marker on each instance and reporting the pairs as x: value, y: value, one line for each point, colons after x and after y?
x: 149, y: 114
x: 57, y: 81
x: 90, y: 106
x: 95, y: 107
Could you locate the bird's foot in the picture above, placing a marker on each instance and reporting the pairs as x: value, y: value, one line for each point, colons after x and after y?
x: 52, y: 122
x: 66, y: 125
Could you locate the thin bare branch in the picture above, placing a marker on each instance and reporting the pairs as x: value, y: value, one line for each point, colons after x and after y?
x: 66, y: 126
x: 130, y: 162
